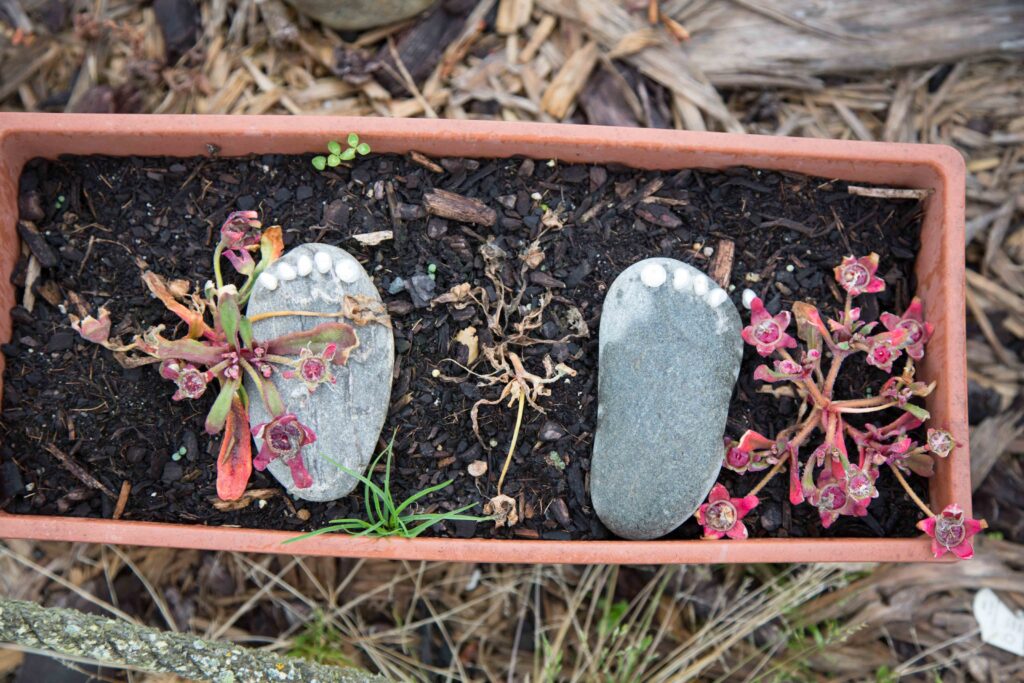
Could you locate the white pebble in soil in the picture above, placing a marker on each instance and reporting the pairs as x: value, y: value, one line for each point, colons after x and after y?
x: 748, y: 298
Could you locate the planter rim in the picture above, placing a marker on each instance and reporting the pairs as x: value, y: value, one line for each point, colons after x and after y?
x: 941, y: 273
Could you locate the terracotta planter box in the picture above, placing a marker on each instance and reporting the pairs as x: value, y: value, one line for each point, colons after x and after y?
x: 940, y: 273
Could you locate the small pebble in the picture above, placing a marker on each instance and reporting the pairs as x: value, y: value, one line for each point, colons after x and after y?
x: 268, y: 281
x: 303, y: 514
x: 304, y: 265
x: 347, y: 271
x: 748, y: 297
x: 477, y: 468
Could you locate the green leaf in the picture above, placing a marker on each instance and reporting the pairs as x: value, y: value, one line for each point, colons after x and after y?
x: 341, y: 334
x: 348, y: 154
x: 218, y: 414
x: 363, y: 148
x: 227, y: 308
x: 917, y: 411
x: 334, y: 147
x: 353, y: 139
x: 319, y: 163
x: 333, y: 160
x: 245, y: 331
x: 419, y: 494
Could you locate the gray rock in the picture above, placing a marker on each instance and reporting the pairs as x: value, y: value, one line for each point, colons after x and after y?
x: 346, y: 416
x: 670, y: 351
x: 360, y: 14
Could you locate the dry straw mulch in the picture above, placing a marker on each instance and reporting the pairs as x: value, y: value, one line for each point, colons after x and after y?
x: 935, y: 71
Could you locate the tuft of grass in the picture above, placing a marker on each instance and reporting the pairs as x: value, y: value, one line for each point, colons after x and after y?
x: 385, y: 517
x: 322, y: 643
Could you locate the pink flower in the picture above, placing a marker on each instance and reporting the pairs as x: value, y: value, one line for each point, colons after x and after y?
x: 833, y: 498
x: 940, y: 442
x: 912, y: 321
x: 284, y: 437
x: 191, y: 381
x: 950, y: 531
x: 789, y: 370
x: 753, y: 453
x: 765, y: 332
x: 239, y: 235
x: 884, y: 350
x: 314, y: 369
x: 721, y: 515
x: 857, y: 275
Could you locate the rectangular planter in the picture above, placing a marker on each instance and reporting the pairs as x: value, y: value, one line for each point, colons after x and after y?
x: 939, y: 269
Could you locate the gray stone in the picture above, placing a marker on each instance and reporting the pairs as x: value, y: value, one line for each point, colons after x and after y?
x: 670, y: 351
x: 360, y: 14
x: 346, y: 416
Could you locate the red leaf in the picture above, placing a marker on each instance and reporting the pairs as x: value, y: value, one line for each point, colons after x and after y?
x: 234, y: 464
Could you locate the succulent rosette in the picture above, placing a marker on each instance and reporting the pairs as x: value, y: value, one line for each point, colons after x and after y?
x: 951, y: 531
x: 722, y: 515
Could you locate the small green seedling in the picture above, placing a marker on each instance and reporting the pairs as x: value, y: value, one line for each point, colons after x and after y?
x: 336, y: 154
x: 385, y: 516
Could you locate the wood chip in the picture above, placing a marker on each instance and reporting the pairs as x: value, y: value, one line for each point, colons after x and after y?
x: 540, y: 34
x: 426, y: 162
x: 513, y: 15
x: 887, y: 193
x: 458, y: 208
x: 374, y: 238
x: 562, y: 92
x: 122, y: 499
x: 721, y: 264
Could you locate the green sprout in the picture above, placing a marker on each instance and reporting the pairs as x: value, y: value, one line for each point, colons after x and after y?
x: 336, y: 154
x: 383, y: 516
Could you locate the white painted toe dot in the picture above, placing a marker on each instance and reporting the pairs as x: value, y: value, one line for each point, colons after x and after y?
x: 323, y: 261
x: 304, y: 265
x: 653, y: 275
x: 268, y: 281
x: 682, y: 280
x: 346, y: 270
x: 748, y: 298
x: 286, y: 272
x: 717, y: 297
x: 701, y: 285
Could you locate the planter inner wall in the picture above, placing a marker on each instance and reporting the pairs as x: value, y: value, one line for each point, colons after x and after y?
x: 939, y: 269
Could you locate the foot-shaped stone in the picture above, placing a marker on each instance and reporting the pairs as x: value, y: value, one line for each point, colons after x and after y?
x: 346, y: 415
x: 670, y: 351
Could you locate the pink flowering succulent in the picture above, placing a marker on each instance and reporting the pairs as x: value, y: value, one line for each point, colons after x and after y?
x: 722, y: 515
x: 767, y: 332
x: 313, y: 369
x: 220, y: 348
x: 951, y: 531
x: 284, y: 437
x: 833, y: 479
x: 857, y: 275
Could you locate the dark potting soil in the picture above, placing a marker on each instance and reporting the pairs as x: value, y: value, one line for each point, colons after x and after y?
x: 100, y: 220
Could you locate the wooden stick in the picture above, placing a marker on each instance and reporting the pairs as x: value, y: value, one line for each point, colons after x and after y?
x: 78, y: 471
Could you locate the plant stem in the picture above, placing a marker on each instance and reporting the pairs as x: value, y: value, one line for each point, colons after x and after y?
x: 280, y: 314
x: 874, y: 409
x: 833, y: 372
x: 768, y: 476
x: 216, y: 264
x: 807, y: 427
x: 860, y: 402
x: 515, y: 438
x: 910, y: 492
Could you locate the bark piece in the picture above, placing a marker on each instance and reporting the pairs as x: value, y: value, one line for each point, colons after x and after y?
x: 721, y: 264
x: 561, y: 93
x: 458, y: 208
